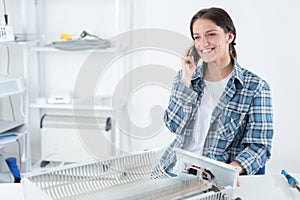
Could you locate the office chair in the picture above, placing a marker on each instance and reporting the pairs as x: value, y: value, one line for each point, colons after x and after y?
x: 261, y: 171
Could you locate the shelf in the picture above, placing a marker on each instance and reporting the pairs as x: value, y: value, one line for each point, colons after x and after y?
x: 81, y: 105
x: 6, y: 125
x: 13, y: 43
x: 6, y: 139
x: 10, y: 86
x: 22, y: 39
x: 53, y: 49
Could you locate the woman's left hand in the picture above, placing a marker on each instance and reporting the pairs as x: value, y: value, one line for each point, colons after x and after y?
x: 241, y: 170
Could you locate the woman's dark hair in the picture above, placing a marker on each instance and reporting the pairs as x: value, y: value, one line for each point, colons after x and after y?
x: 221, y: 18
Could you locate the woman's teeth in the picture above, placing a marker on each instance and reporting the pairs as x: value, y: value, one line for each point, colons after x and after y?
x: 206, y: 50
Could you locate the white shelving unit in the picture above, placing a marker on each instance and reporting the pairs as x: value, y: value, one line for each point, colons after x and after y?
x: 15, y: 88
x: 13, y: 130
x: 40, y: 103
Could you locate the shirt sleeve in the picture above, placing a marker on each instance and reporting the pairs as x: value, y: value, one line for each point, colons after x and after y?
x: 180, y: 106
x: 259, y: 132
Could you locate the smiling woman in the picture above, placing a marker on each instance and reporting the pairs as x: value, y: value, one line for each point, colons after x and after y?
x: 217, y: 108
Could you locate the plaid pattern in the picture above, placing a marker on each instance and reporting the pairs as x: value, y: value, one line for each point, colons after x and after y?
x: 241, y: 127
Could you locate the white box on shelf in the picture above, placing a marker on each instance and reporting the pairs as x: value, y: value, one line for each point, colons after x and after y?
x: 6, y: 34
x: 59, y: 99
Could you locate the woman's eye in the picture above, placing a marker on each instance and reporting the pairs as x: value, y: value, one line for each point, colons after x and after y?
x: 197, y: 37
x: 211, y: 34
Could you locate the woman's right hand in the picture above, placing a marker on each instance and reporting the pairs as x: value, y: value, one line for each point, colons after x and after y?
x: 188, y: 66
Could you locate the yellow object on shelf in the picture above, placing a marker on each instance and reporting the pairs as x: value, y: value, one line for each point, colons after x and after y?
x: 65, y: 36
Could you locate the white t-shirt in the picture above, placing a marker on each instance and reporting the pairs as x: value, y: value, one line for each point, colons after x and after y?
x: 209, y: 100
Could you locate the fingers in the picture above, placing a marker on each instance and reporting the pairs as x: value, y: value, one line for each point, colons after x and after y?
x: 188, y: 60
x: 238, y: 183
x: 188, y: 66
x: 187, y: 56
x: 187, y: 52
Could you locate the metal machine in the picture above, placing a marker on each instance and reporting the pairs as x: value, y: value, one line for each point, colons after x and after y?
x: 137, y: 176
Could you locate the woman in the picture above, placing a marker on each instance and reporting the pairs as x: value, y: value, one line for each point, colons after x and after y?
x: 219, y: 109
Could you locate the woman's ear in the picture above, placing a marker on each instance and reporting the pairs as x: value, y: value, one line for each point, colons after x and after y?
x: 231, y: 37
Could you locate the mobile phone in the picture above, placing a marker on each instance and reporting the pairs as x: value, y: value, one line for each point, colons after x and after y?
x: 195, y: 54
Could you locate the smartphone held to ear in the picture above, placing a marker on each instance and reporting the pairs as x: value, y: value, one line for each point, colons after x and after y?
x: 195, y: 54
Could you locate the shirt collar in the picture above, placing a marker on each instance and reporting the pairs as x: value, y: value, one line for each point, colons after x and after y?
x: 237, y: 72
x: 199, y: 71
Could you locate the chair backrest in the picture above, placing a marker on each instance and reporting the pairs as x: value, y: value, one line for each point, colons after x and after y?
x: 261, y: 171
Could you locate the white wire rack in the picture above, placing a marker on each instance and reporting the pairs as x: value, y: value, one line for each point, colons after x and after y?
x: 135, y: 176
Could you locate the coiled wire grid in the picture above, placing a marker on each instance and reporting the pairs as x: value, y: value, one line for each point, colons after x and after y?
x: 136, y: 176
x: 89, y: 180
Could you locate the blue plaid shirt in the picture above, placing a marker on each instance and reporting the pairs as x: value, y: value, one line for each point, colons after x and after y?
x: 241, y: 126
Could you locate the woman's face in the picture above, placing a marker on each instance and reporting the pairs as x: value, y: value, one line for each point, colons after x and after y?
x: 211, y: 41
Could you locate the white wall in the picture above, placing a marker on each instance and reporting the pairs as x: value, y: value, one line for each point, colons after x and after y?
x: 267, y: 44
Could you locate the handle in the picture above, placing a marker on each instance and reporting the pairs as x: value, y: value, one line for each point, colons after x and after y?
x: 12, y: 164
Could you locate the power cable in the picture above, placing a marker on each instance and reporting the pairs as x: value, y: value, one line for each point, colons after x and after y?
x: 82, y: 44
x: 10, y: 97
x: 5, y: 13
